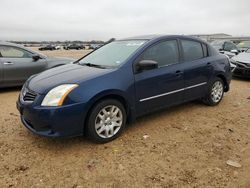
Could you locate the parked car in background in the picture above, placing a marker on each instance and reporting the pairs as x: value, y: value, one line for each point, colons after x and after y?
x: 226, y: 47
x: 95, y: 46
x: 125, y: 79
x: 242, y: 63
x: 18, y: 63
x: 74, y: 47
x: 244, y: 45
x: 58, y: 47
x: 47, y: 47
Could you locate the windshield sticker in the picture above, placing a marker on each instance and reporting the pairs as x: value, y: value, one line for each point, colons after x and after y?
x: 135, y: 43
x: 117, y: 62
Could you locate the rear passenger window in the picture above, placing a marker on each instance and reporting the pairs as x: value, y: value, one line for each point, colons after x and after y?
x: 192, y: 50
x: 165, y: 53
x: 13, y: 52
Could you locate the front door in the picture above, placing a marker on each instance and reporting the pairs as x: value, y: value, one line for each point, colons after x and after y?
x: 18, y: 65
x: 162, y: 86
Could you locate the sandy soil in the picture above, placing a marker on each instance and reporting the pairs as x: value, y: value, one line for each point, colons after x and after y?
x: 185, y: 146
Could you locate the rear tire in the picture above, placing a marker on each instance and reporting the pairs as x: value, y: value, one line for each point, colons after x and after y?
x: 215, y: 93
x: 106, y: 121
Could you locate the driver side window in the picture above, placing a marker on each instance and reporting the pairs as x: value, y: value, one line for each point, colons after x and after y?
x: 164, y: 53
x: 14, y: 52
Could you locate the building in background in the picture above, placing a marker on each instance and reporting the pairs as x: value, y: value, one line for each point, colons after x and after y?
x: 222, y: 36
x: 211, y: 37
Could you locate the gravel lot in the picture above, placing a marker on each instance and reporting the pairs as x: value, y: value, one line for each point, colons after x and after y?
x: 185, y: 146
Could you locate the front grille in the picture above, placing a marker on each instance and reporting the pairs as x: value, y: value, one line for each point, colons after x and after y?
x: 29, y: 96
x: 241, y: 72
x: 247, y: 64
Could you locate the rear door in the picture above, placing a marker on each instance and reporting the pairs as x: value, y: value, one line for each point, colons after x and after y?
x: 197, y: 68
x: 162, y: 86
x: 18, y: 65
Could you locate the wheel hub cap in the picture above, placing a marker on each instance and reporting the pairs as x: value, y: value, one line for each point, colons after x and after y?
x: 108, y: 121
x: 217, y: 91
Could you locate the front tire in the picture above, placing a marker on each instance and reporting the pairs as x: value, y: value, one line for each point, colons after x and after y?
x: 215, y: 93
x: 106, y: 121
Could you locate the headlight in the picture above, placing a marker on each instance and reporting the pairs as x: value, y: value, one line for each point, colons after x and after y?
x: 56, y: 96
x: 233, y: 61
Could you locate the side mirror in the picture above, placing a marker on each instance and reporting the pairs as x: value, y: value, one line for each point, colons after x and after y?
x: 36, y: 57
x: 147, y: 65
x: 236, y: 52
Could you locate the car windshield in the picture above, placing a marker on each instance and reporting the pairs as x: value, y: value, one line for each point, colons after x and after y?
x: 113, y: 54
x: 245, y: 44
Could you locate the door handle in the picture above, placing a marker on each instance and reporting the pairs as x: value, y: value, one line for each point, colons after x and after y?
x: 8, y: 63
x: 178, y: 73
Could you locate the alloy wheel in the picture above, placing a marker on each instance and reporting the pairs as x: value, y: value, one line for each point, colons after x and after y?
x: 217, y: 91
x: 108, y: 121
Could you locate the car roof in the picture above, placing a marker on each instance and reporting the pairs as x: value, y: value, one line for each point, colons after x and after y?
x: 14, y: 45
x: 153, y: 37
x: 9, y: 43
x: 143, y: 37
x: 19, y: 46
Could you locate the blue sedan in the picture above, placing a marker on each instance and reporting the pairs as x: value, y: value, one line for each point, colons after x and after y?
x: 101, y: 92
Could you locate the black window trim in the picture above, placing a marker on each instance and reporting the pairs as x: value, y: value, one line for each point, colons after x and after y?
x: 156, y: 43
x: 206, y: 46
x: 18, y: 48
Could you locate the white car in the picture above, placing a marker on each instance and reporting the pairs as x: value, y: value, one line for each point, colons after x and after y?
x: 58, y: 47
x: 242, y: 64
x: 226, y: 47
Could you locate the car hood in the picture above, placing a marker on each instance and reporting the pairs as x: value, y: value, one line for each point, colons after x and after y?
x: 242, y: 57
x: 66, y: 74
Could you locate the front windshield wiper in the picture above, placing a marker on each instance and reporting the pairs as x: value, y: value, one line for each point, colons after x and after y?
x: 94, y: 65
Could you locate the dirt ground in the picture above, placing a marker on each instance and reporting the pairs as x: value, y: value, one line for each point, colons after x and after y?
x: 185, y: 146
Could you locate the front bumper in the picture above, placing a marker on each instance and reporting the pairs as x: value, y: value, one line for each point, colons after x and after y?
x: 64, y: 121
x: 242, y: 72
x: 240, y: 69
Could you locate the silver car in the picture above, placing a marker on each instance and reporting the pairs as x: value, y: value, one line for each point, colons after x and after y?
x: 226, y: 47
x: 17, y: 64
x: 242, y: 64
